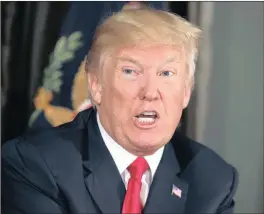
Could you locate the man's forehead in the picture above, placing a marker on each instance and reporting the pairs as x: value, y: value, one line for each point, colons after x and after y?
x: 162, y: 52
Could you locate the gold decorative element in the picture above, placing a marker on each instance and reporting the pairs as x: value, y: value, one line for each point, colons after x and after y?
x: 57, y: 115
x: 43, y: 98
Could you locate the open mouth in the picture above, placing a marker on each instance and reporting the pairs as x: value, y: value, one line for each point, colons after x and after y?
x: 146, y: 118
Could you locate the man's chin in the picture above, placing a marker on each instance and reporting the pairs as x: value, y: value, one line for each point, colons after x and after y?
x: 145, y: 149
x: 148, y: 142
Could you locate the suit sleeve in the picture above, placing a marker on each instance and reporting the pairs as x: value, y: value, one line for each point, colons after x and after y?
x: 228, y: 205
x: 27, y: 183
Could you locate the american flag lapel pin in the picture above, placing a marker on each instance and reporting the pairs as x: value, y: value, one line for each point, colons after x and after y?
x: 176, y: 191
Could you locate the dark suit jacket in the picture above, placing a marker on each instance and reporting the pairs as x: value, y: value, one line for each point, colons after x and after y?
x: 68, y: 169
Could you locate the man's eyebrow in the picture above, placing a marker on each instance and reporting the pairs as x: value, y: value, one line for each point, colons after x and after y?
x: 129, y: 59
x: 172, y: 59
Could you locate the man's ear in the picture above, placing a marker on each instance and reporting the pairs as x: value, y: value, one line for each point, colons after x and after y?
x: 95, y: 88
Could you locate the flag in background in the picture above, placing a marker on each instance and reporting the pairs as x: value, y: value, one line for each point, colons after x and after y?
x: 63, y: 92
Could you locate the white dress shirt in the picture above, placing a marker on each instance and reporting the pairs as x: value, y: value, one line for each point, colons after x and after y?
x: 123, y: 159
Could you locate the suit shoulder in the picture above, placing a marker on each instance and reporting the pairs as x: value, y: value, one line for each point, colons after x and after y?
x: 194, y: 154
x: 23, y: 162
x: 205, y: 170
x: 48, y: 144
x: 211, y: 165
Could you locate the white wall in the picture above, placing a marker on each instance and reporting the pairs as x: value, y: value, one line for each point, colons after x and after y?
x: 233, y: 125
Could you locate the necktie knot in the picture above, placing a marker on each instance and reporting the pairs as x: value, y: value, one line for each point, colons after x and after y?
x: 138, y: 168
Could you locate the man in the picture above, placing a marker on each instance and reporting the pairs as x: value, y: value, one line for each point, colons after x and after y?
x: 124, y: 155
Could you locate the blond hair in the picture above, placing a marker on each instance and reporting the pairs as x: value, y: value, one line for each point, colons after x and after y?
x: 144, y: 26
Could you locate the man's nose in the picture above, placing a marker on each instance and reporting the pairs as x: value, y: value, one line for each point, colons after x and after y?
x: 149, y: 90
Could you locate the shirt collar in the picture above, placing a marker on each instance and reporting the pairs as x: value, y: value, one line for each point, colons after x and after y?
x: 123, y: 158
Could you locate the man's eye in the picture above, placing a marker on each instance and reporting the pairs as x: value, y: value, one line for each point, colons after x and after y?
x: 166, y: 73
x: 128, y: 71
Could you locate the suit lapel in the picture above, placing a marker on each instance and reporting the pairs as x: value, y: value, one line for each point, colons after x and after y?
x: 101, y: 175
x: 105, y: 184
x: 161, y: 199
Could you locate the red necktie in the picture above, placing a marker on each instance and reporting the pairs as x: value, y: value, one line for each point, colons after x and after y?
x: 132, y: 202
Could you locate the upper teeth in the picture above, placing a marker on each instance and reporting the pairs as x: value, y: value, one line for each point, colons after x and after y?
x: 148, y: 113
